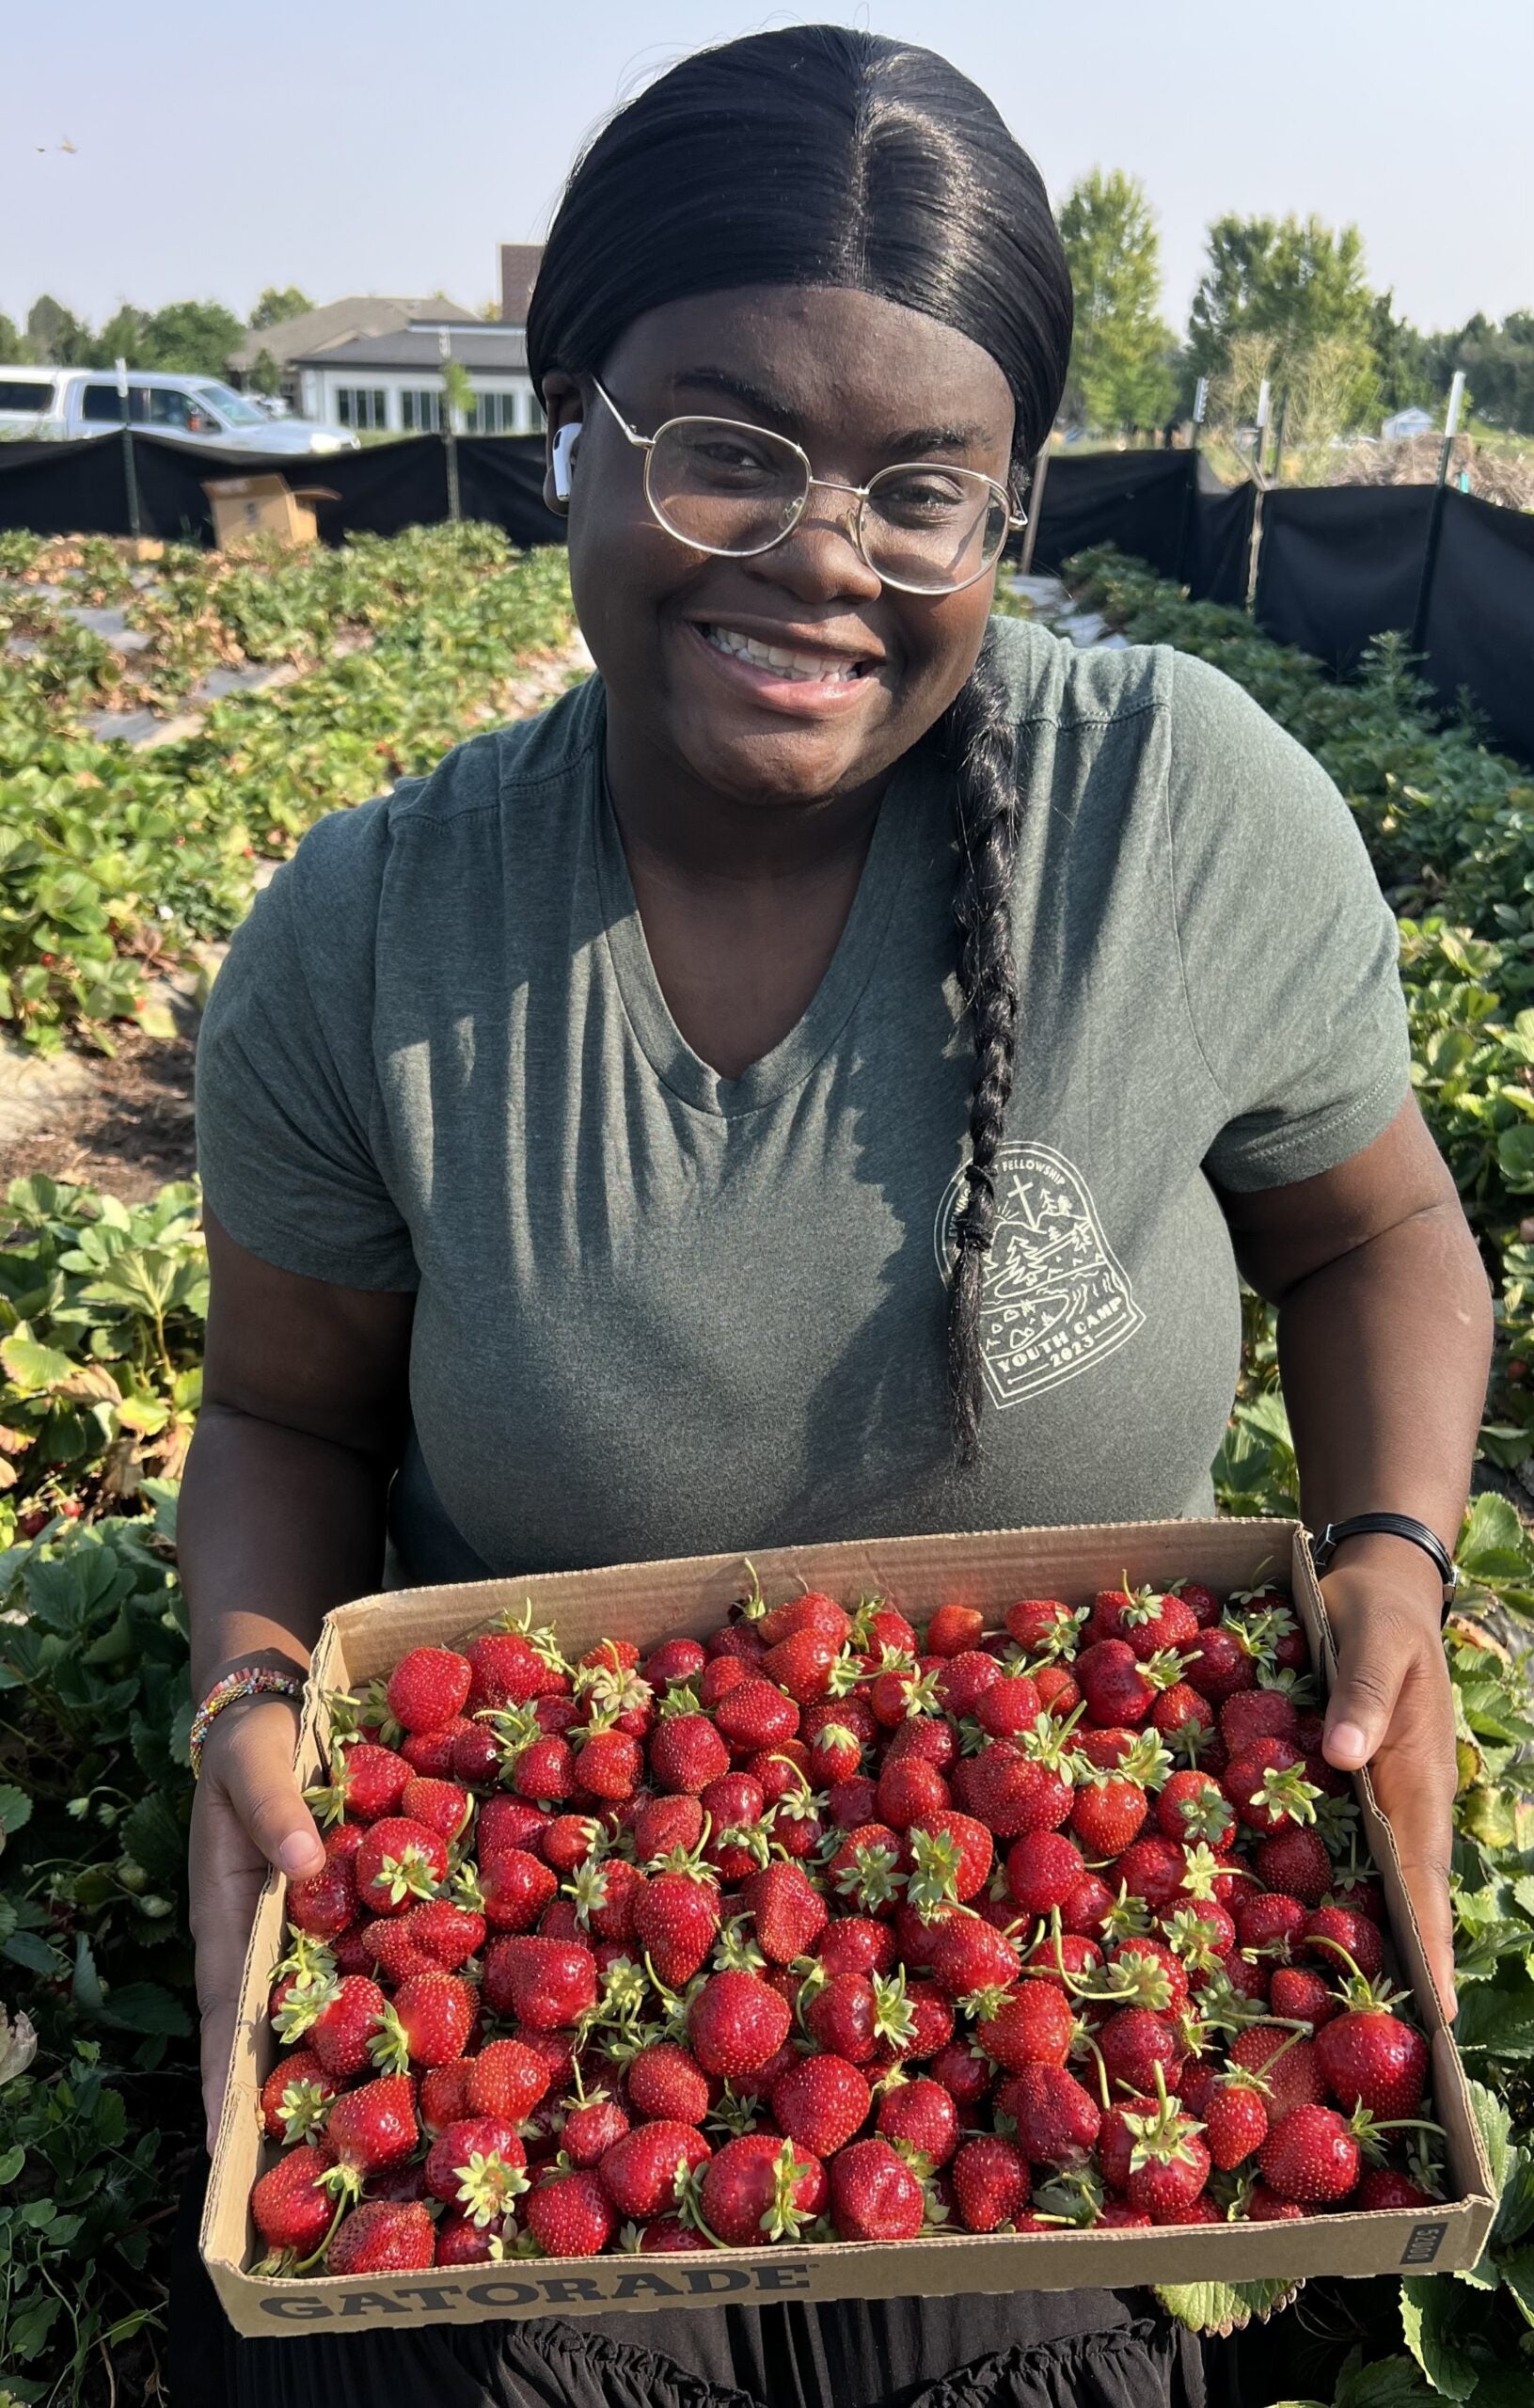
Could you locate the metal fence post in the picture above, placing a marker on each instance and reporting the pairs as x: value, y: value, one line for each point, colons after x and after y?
x: 130, y: 466
x: 1435, y: 516
x: 1257, y: 450
x: 449, y: 433
x: 1036, y: 505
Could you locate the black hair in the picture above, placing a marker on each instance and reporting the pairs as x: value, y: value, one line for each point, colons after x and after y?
x: 819, y: 155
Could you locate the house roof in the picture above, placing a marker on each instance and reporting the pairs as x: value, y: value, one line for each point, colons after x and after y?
x: 339, y: 322
x: 478, y: 346
x: 519, y: 265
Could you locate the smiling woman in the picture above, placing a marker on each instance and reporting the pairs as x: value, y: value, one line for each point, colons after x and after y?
x: 613, y: 1148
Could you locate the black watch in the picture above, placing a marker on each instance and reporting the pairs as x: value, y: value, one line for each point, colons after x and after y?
x: 1394, y: 1525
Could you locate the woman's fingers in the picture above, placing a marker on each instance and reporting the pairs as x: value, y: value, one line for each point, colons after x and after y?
x: 1392, y: 1709
x: 248, y: 1815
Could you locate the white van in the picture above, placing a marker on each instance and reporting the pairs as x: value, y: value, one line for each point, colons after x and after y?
x: 69, y: 405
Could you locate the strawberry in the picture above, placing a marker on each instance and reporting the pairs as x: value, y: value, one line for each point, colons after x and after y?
x: 427, y: 2023
x: 925, y: 1737
x: 1192, y: 1806
x: 569, y: 2215
x: 990, y: 2184
x: 546, y: 1983
x: 370, y: 2129
x: 813, y: 1611
x: 788, y: 1911
x: 1265, y: 2207
x: 1031, y: 2025
x: 1143, y: 1971
x: 849, y: 1803
x: 758, y: 2187
x: 666, y: 2084
x: 545, y: 1770
x: 802, y: 1665
x: 1334, y: 1936
x: 1110, y: 1677
x: 1257, y: 1713
x: 1009, y: 1706
x: 1018, y: 1785
x: 507, y: 1671
x: 963, y: 1680
x: 1147, y: 1623
x: 918, y: 2117
x: 968, y: 1954
x: 444, y: 1805
x: 1186, y: 1721
x: 1299, y: 1995
x: 444, y: 2095
x: 1057, y: 2121
x: 873, y: 2194
x: 1135, y: 2044
x: 427, y: 1687
x: 908, y: 1790
x: 590, y: 2126
x: 1041, y: 1871
x: 1219, y: 1662
x: 726, y: 1672
x: 399, y: 1861
x: 755, y: 1715
x: 856, y: 1944
x: 865, y: 1869
x: 1041, y: 1626
x: 506, y: 2079
x: 646, y: 2172
x: 736, y: 2022
x: 1371, y: 2059
x: 673, y: 1659
x: 664, y: 1824
x: 841, y: 2017
x: 429, y: 1752
x: 514, y: 1887
x: 461, y: 2242
x: 1265, y: 1783
x: 484, y: 2191
x: 475, y: 1755
x: 606, y: 1893
x: 1153, y: 1869
x: 1294, y: 1861
x: 964, y: 2071
x: 1272, y: 1920
x: 366, y: 1781
x: 292, y: 2207
x: 293, y: 2096
x: 337, y: 2020
x: 1058, y: 1692
x: 1118, y: 2137
x: 953, y: 1630
x: 1169, y: 2163
x: 737, y: 1639
x: 1288, y: 2063
x: 676, y: 1919
x: 1311, y: 2156
x: 1382, y: 2186
x: 440, y: 1934
x: 323, y: 1903
x: 1200, y: 1597
x: 1107, y: 1812
x: 1235, y: 2117
x: 687, y: 1754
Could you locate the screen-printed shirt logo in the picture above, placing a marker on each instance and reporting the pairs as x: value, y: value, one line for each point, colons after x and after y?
x: 1053, y: 1298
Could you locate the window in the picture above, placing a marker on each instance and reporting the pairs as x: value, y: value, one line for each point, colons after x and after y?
x: 492, y: 414
x: 100, y: 404
x: 231, y: 406
x: 18, y: 396
x: 421, y: 412
x: 168, y: 407
x: 362, y: 406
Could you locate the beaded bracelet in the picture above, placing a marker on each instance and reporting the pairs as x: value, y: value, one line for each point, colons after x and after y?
x: 250, y: 1680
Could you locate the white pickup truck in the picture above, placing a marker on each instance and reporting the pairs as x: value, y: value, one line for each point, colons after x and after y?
x: 68, y: 405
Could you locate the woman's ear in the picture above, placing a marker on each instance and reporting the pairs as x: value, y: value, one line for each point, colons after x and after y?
x: 563, y: 406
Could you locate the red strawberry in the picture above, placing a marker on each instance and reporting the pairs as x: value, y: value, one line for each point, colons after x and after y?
x: 399, y: 1861
x: 1153, y: 1869
x: 507, y: 2079
x: 1294, y: 1861
x: 427, y: 2023
x: 1111, y: 1680
x: 373, y: 2126
x: 545, y: 1770
x: 1382, y: 2186
x: 802, y: 1665
x: 1134, y: 2043
x: 953, y: 1630
x: 507, y: 1670
x: 963, y: 1680
x: 590, y: 2126
x: 1186, y: 1721
x: 1265, y: 1783
x: 444, y: 1805
x: 726, y: 1672
x: 1169, y: 2163
x: 1299, y: 1995
x: 1148, y: 1622
x: 1265, y: 2207
x: 516, y: 1888
x: 444, y: 2095
x: 673, y: 1659
x: 337, y: 2020
x: 646, y: 2172
x: 293, y: 2208
x: 382, y: 2237
x: 990, y: 2184
x: 849, y: 1803
x: 1106, y: 1813
x: 1257, y: 1713
x: 663, y: 1824
x: 569, y: 2214
x: 546, y: 1983
x: 1057, y: 2120
x: 1219, y: 1663
x: 968, y: 1954
x: 605, y: 1894
x: 908, y: 1790
x: 1041, y: 1626
x: 366, y: 1781
x: 919, y: 2116
x: 1031, y: 2025
x: 759, y: 2188
x: 475, y: 1755
x: 1269, y: 1919
x: 610, y: 1762
x: 820, y: 2102
x: 1333, y: 1935
x: 429, y: 1752
x: 687, y: 1754
x: 461, y: 2242
x: 856, y: 1944
x: 485, y: 2190
x: 427, y: 1687
x: 964, y: 2071
x: 842, y: 2016
x: 1289, y: 2066
x: 755, y: 1715
x: 666, y: 2084
x: 788, y: 1911
x: 323, y: 1903
x: 1009, y: 1706
x: 1311, y: 2156
x: 813, y: 1611
x: 677, y: 1919
x: 1192, y: 1806
x: 1059, y: 1693
x: 293, y: 2096
x: 1196, y: 1593
x: 1012, y: 1790
x: 736, y: 2022
x: 873, y: 2194
x: 1041, y: 1871
x: 865, y: 1869
x: 1235, y: 2117
x: 1371, y: 2059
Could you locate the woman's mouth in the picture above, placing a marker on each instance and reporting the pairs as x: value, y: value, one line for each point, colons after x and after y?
x: 783, y: 676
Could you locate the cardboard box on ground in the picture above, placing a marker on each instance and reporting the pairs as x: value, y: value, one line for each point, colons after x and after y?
x: 243, y: 507
x: 644, y: 1602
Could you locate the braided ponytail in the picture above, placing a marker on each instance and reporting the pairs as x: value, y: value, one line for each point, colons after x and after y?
x: 981, y: 732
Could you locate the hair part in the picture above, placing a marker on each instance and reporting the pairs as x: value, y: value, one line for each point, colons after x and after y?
x: 822, y: 155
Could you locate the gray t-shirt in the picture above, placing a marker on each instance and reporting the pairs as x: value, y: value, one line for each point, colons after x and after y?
x: 659, y: 1312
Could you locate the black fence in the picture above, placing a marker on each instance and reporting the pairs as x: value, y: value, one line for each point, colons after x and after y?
x: 1335, y: 564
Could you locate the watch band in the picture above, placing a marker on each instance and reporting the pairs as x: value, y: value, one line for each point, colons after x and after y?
x: 1395, y: 1526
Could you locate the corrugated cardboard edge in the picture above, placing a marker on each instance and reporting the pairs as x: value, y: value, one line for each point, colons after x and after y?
x: 986, y: 1568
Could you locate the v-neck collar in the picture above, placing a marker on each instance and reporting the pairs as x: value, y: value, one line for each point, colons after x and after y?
x: 858, y: 950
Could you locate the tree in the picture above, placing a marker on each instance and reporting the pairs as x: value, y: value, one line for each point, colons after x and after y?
x: 191, y: 337
x: 1295, y: 279
x: 267, y: 375
x: 122, y: 337
x: 1121, y: 372
x: 14, y: 351
x: 1403, y: 359
x: 277, y: 304
x: 58, y: 338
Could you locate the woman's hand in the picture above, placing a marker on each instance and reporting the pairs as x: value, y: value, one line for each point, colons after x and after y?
x: 248, y: 1815
x: 1392, y: 1709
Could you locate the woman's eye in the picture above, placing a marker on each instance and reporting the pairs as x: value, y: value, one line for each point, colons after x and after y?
x: 929, y: 497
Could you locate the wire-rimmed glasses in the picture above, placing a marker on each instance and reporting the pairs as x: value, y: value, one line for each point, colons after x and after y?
x: 719, y: 485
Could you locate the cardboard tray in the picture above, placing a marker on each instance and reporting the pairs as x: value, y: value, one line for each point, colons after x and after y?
x: 645, y: 1601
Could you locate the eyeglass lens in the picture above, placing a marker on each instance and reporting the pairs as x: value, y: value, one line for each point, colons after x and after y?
x: 725, y: 488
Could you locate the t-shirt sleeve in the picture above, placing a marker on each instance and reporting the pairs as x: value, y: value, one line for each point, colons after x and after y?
x: 1289, y: 951
x: 287, y: 1117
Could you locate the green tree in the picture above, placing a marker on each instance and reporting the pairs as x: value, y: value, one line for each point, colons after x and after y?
x: 1121, y: 372
x: 192, y: 338
x: 277, y: 303
x: 14, y: 350
x: 1498, y: 362
x: 122, y: 337
x: 267, y: 375
x: 56, y: 336
x: 1403, y: 359
x: 1297, y: 280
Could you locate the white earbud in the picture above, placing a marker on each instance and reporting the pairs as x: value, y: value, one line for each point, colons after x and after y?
x: 565, y: 442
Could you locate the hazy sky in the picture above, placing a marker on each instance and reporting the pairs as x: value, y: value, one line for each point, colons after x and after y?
x: 389, y: 148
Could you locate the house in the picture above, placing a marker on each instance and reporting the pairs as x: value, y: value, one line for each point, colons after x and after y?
x: 339, y: 322
x: 1406, y: 423
x: 392, y: 383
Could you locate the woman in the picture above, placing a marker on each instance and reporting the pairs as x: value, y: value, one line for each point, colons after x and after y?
x: 607, y: 1143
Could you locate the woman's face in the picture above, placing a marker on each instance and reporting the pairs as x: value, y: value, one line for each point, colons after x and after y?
x: 860, y: 383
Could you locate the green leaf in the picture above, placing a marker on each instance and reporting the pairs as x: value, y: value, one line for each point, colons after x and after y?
x: 1517, y: 2271
x: 1390, y: 2383
x: 1222, y: 2307
x: 1495, y: 2125
x: 26, y: 1948
x: 15, y: 1807
x: 1494, y: 1545
x: 144, y: 2006
x: 12, y: 2165
x: 1498, y: 2016
x: 153, y: 1833
x: 1431, y: 2312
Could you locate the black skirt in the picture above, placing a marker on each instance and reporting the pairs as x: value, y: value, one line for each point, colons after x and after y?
x: 1028, y: 2349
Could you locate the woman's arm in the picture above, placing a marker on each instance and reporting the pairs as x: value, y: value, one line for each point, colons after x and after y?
x: 281, y: 1516
x: 1385, y: 1332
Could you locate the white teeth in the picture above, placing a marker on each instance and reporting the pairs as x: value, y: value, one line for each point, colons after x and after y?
x: 808, y: 666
